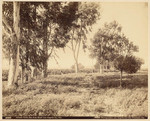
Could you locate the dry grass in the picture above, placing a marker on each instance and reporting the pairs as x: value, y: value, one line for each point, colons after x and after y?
x: 79, y: 95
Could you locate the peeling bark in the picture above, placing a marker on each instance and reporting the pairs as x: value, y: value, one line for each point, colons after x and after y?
x: 14, y: 62
x: 10, y: 74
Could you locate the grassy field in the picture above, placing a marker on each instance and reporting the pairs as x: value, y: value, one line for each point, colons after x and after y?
x: 79, y: 95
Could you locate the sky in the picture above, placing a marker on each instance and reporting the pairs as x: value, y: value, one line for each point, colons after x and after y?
x: 132, y: 16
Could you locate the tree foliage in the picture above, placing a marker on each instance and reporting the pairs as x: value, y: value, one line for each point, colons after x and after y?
x: 128, y: 64
x: 44, y: 27
x: 110, y: 42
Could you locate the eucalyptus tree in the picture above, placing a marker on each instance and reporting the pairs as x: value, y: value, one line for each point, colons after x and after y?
x: 26, y: 30
x: 12, y: 34
x: 110, y: 44
x: 43, y: 27
x: 32, y: 33
x: 55, y: 19
x: 104, y: 43
x: 86, y: 15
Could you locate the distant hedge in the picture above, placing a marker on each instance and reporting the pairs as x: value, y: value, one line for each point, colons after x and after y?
x: 66, y: 71
x: 53, y: 72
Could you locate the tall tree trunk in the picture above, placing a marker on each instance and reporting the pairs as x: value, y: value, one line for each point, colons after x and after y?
x: 45, y: 69
x: 26, y: 74
x: 23, y: 74
x: 27, y: 55
x: 45, y: 49
x: 75, y: 49
x: 9, y: 57
x: 14, y: 62
x: 11, y: 70
x: 101, y: 69
x: 101, y: 66
x: 76, y: 67
x: 34, y: 41
x: 32, y: 71
x: 121, y: 78
x: 75, y: 55
x: 16, y: 66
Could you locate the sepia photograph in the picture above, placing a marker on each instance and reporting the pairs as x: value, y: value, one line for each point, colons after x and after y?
x: 74, y: 60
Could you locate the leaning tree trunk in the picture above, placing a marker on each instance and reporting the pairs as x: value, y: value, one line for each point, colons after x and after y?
x: 14, y: 62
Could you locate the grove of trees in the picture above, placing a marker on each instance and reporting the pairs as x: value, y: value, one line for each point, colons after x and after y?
x: 110, y: 44
x: 33, y: 31
x: 31, y: 34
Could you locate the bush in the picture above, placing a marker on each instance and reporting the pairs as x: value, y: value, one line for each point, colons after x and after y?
x: 4, y: 75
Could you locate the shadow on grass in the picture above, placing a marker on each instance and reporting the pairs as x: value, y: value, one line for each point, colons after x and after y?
x: 130, y: 82
x: 63, y: 83
x: 66, y: 85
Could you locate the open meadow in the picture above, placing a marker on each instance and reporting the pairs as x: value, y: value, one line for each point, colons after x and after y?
x: 83, y: 94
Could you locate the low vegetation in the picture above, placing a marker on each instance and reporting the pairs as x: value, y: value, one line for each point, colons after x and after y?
x: 79, y: 95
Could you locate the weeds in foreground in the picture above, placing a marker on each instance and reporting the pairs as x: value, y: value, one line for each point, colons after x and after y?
x: 81, y: 95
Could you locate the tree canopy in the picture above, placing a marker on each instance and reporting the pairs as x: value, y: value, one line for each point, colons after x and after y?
x: 128, y: 64
x: 110, y: 42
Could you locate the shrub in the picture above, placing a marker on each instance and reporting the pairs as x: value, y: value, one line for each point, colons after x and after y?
x: 4, y: 75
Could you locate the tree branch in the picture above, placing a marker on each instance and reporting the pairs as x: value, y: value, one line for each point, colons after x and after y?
x: 5, y: 32
x: 50, y: 52
x: 78, y: 49
x: 55, y: 59
x: 72, y: 43
x: 76, y: 45
x: 69, y: 47
x: 55, y: 54
x: 6, y: 24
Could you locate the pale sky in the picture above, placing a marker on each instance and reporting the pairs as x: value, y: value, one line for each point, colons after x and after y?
x: 133, y: 16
